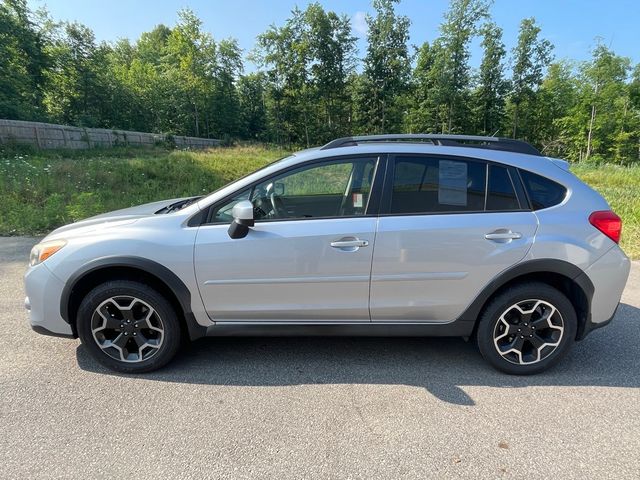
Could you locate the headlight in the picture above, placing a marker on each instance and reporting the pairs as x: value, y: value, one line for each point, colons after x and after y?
x: 44, y: 250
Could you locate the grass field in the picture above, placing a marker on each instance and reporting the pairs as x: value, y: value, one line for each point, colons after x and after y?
x: 43, y: 190
x: 621, y: 187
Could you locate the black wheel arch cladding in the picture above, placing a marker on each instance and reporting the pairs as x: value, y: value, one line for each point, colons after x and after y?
x: 535, y: 267
x: 154, y: 269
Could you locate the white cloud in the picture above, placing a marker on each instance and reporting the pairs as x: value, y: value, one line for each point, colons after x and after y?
x: 359, y: 23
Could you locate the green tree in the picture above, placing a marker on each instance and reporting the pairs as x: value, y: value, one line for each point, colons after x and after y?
x: 145, y: 100
x: 23, y: 62
x: 179, y: 80
x: 387, y: 66
x: 634, y: 99
x: 151, y: 47
x: 531, y: 56
x: 225, y: 102
x: 190, y: 65
x: 132, y: 86
x: 253, y: 112
x: 451, y: 69
x: 75, y: 90
x: 491, y: 90
x: 605, y: 92
x: 332, y: 60
x: 285, y: 53
x: 556, y: 97
x: 422, y: 113
x: 601, y: 123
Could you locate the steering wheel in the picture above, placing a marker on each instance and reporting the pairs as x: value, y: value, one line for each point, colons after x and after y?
x: 277, y: 204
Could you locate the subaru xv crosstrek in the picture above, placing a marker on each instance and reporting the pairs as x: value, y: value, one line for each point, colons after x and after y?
x: 405, y: 235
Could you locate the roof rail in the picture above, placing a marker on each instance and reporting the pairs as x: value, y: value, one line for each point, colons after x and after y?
x: 475, y: 141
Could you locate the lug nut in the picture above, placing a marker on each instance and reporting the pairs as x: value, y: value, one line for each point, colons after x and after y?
x: 121, y: 326
x: 134, y: 334
x: 125, y: 334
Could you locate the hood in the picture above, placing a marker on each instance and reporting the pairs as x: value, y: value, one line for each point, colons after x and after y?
x: 138, y: 210
x: 125, y: 215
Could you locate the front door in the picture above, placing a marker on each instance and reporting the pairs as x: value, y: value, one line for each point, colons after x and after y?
x: 308, y: 257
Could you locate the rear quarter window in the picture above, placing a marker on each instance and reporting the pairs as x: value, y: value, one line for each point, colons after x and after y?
x: 542, y: 192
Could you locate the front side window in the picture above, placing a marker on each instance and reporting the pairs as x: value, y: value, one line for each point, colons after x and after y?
x: 329, y: 189
x: 436, y: 185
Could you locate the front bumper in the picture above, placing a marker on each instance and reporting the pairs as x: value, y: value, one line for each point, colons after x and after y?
x: 43, y: 302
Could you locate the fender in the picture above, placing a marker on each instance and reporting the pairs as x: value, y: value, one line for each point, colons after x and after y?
x: 170, y: 279
x: 561, y: 267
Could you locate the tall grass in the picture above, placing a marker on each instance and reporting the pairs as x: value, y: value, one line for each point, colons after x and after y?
x: 43, y: 190
x: 621, y: 188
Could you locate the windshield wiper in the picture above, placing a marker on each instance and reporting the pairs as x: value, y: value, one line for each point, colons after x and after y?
x: 179, y: 205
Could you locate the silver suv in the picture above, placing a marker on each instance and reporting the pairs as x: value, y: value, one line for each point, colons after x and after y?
x: 476, y: 237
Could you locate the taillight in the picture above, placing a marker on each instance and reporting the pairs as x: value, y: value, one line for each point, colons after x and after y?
x: 608, y: 223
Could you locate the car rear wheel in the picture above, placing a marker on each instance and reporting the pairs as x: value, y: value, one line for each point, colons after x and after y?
x: 527, y: 329
x: 128, y: 327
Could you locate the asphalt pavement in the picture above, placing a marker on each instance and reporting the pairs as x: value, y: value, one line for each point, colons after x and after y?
x: 315, y: 407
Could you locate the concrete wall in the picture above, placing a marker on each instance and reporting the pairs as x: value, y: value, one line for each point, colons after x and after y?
x: 49, y: 135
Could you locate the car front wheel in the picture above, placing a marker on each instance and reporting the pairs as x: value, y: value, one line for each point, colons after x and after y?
x: 527, y: 328
x: 128, y: 327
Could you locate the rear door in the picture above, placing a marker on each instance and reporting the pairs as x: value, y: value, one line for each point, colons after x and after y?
x: 448, y: 226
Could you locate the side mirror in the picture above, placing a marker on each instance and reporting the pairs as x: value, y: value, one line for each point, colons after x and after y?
x: 242, y: 219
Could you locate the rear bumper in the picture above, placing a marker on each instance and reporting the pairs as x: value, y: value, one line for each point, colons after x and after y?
x: 591, y: 326
x: 609, y: 276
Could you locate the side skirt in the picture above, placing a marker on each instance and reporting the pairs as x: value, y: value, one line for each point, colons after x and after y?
x: 458, y: 328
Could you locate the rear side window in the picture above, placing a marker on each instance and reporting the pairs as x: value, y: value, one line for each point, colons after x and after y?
x: 501, y: 194
x: 542, y: 192
x: 427, y: 185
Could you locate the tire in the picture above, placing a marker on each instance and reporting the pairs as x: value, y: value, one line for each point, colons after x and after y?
x: 508, y: 326
x: 135, y: 330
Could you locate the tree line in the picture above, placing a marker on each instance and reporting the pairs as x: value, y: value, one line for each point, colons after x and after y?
x: 311, y: 85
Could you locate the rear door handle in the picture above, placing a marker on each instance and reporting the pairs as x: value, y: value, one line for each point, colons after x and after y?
x: 503, y: 235
x: 349, y: 244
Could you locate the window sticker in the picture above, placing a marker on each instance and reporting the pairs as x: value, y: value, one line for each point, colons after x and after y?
x: 357, y: 200
x: 452, y: 183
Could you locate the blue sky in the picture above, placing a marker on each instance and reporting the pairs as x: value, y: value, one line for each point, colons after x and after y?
x: 571, y: 25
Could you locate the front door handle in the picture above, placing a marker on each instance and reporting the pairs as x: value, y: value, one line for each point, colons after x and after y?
x: 503, y: 235
x: 349, y: 244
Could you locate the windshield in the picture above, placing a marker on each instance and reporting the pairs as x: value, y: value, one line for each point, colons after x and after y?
x: 180, y: 204
x: 250, y: 173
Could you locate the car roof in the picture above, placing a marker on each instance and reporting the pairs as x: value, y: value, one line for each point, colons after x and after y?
x: 521, y: 160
